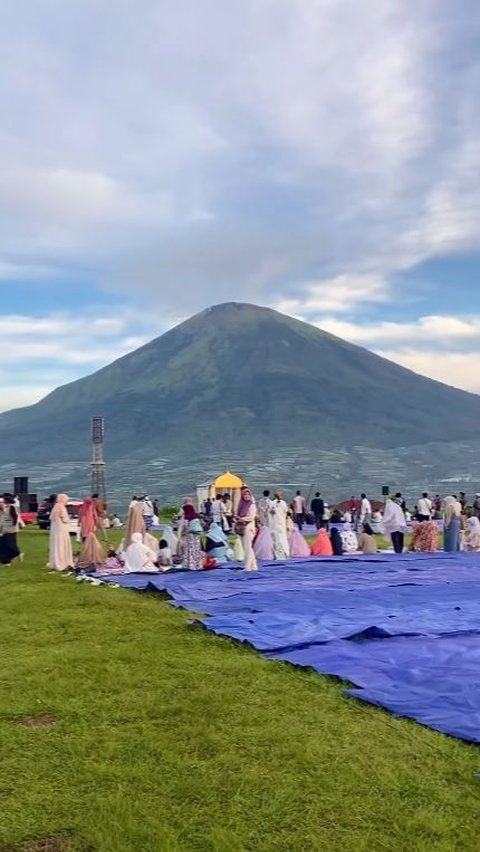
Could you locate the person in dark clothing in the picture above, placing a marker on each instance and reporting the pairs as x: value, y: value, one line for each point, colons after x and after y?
x: 156, y: 508
x: 317, y: 507
x: 208, y: 507
x: 336, y: 540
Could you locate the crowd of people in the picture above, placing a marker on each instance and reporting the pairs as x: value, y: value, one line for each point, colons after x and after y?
x: 249, y: 532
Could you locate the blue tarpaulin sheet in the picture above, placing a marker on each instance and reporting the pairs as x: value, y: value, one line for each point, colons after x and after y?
x: 404, y: 630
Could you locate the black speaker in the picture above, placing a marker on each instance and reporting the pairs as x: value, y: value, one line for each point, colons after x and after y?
x: 20, y: 485
x: 385, y: 491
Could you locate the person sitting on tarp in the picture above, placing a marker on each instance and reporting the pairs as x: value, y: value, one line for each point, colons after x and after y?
x: 472, y: 538
x: 366, y: 540
x: 349, y: 539
x: 138, y: 557
x: 165, y: 555
x: 263, y: 544
x: 322, y: 545
x: 216, y: 544
x: 424, y: 537
x: 298, y: 546
x: 336, y: 540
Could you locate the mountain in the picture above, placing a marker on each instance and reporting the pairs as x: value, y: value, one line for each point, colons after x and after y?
x: 239, y: 378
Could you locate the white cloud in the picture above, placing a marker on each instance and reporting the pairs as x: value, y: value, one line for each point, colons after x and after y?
x: 339, y: 294
x: 296, y: 154
x: 42, y: 353
x: 452, y: 368
x: 445, y: 348
x: 440, y: 329
x: 237, y: 147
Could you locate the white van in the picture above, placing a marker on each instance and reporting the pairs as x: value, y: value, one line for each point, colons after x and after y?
x: 73, y: 509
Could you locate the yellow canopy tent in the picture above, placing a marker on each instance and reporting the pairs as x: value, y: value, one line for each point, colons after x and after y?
x: 227, y: 483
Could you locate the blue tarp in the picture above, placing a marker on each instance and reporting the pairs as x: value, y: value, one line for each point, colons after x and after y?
x: 404, y: 630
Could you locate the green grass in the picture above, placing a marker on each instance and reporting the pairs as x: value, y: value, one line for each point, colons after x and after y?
x: 169, y: 738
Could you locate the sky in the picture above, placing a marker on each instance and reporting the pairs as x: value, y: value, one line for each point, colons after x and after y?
x: 321, y: 157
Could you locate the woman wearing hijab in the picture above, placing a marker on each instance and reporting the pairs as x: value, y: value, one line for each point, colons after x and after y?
x: 245, y: 521
x: 187, y: 514
x: 171, y: 539
x: 394, y: 522
x: 349, y: 539
x: 336, y: 541
x: 91, y: 555
x: 298, y: 547
x: 135, y: 524
x: 193, y: 554
x: 88, y: 518
x: 452, y: 525
x: 216, y: 544
x: 9, y: 518
x: 322, y: 545
x: 60, y: 545
x: 472, y: 539
x: 152, y: 543
x: 278, y: 526
x: 263, y: 545
x: 138, y: 557
x: 425, y: 537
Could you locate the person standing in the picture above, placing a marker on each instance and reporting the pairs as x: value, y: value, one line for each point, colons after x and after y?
x: 156, y: 508
x: 452, y: 525
x: 147, y: 511
x: 245, y: 519
x: 207, y: 507
x: 365, y: 515
x: 278, y: 526
x: 299, y: 509
x: 9, y: 517
x: 88, y: 518
x: 394, y: 522
x: 218, y: 512
x: 226, y: 509
x: 60, y: 545
x: 317, y: 507
x: 101, y: 510
x: 424, y: 509
x: 264, y: 507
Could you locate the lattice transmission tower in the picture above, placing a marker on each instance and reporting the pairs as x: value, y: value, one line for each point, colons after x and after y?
x: 98, y: 463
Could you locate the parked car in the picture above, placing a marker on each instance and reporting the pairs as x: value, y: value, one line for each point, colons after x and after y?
x: 43, y: 513
x: 73, y: 509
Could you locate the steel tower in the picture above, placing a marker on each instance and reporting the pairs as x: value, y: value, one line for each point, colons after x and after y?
x: 98, y: 464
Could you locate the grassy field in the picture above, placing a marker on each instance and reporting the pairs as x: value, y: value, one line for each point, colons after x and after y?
x: 124, y: 728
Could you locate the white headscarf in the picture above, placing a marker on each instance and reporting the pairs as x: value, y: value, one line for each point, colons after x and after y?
x: 138, y: 557
x: 473, y: 538
x: 452, y: 509
x: 170, y: 538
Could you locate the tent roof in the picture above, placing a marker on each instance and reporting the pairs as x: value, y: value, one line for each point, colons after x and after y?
x: 228, y: 480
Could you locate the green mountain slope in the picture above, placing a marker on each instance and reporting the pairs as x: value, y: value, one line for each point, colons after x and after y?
x: 239, y: 376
